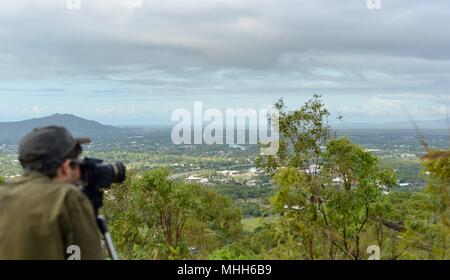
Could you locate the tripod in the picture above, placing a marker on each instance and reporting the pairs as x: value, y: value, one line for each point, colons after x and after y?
x: 101, y: 221
x: 95, y: 195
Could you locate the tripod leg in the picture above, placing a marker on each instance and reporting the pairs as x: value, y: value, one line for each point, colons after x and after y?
x: 109, y: 242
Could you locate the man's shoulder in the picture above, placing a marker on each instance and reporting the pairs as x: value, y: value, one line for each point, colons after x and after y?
x: 70, y: 192
x: 40, y: 184
x: 68, y: 189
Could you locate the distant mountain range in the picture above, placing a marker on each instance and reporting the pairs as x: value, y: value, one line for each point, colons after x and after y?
x: 76, y: 125
x: 430, y: 124
x: 82, y: 127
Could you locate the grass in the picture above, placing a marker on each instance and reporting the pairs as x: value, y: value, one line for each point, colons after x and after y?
x: 250, y: 224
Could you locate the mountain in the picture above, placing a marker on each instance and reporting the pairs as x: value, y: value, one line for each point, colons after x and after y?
x: 76, y: 125
x: 429, y: 124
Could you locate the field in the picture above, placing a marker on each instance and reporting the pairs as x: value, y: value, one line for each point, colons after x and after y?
x: 250, y: 224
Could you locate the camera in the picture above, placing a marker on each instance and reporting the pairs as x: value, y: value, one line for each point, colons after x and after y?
x: 96, y: 173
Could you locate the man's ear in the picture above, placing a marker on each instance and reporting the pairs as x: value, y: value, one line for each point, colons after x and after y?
x: 63, y: 170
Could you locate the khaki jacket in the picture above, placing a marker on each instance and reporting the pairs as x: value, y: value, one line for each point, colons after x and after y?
x: 40, y: 219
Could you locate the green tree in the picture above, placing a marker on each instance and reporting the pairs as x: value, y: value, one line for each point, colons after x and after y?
x: 327, y: 188
x: 302, y: 135
x: 355, y: 186
x: 437, y: 163
x: 152, y: 216
x: 429, y: 233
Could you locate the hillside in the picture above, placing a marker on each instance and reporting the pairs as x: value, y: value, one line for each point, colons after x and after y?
x: 76, y: 125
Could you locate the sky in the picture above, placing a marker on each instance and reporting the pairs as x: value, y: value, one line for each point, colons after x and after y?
x: 132, y: 62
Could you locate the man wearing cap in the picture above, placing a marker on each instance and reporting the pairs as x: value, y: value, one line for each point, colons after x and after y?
x: 43, y: 213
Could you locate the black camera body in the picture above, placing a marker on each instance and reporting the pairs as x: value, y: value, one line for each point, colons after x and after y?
x: 97, y: 175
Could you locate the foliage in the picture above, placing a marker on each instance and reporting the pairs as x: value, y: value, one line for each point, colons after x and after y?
x: 152, y: 216
x: 328, y: 188
x: 303, y: 133
x: 332, y: 200
x: 436, y: 233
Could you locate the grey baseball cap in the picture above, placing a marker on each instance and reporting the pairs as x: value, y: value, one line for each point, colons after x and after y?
x: 48, y: 144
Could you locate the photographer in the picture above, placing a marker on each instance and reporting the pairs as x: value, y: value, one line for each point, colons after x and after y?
x: 43, y: 212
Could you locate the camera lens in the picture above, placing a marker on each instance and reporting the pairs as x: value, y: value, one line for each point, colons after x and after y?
x: 119, y: 172
x: 97, y: 173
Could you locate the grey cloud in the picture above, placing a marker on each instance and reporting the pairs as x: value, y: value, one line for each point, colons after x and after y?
x: 224, y: 33
x: 32, y: 89
x: 254, y: 46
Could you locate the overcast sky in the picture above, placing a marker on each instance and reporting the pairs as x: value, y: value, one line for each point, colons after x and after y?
x: 134, y: 62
